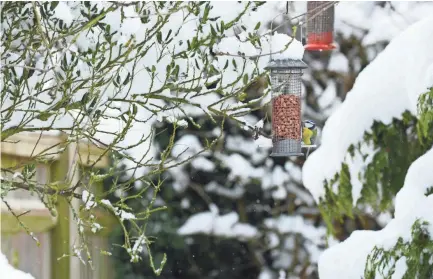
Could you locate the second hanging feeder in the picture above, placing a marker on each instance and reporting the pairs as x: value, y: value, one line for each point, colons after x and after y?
x: 286, y: 86
x: 320, y: 25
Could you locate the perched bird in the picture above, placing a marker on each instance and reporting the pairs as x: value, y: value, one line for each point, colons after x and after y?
x: 309, y: 132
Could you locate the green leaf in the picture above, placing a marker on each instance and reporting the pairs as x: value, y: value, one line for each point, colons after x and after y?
x: 245, y: 79
x: 125, y: 82
x: 176, y: 71
x: 242, y: 96
x: 53, y: 5
x: 123, y: 118
x: 44, y: 115
x: 257, y: 26
x: 227, y: 64
x: 159, y: 37
x: 206, y: 13
x: 212, y: 30
x: 29, y: 171
x: 168, y: 35
x: 75, y: 105
x: 234, y: 64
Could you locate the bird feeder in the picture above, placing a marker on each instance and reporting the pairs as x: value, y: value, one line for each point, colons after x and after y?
x: 320, y: 25
x: 286, y: 106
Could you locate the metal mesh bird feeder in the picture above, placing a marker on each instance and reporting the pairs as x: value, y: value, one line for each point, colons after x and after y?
x: 320, y: 25
x: 286, y: 106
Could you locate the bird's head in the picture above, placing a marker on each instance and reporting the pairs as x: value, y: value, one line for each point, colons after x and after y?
x: 309, y: 124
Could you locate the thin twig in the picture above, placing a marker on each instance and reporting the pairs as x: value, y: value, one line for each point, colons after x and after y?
x: 41, y: 189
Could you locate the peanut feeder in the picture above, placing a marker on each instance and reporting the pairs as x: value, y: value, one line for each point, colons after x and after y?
x: 286, y: 106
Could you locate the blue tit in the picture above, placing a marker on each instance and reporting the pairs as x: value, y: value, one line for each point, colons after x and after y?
x: 309, y: 132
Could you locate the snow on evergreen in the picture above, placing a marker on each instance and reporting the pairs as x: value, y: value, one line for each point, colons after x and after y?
x: 386, y: 88
x: 349, y: 258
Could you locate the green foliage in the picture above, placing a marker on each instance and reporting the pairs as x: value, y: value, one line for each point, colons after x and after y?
x: 396, y: 146
x: 73, y: 77
x: 417, y: 253
x: 425, y: 111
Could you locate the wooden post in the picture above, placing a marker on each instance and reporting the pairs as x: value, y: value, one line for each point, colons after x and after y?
x: 60, y: 244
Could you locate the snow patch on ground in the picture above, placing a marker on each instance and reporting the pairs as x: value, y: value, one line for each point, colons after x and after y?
x: 8, y: 271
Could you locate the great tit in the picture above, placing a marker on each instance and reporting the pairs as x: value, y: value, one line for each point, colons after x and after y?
x: 309, y: 132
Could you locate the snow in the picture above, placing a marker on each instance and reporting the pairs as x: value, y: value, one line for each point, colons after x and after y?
x: 211, y: 223
x: 17, y: 175
x: 233, y: 193
x: 248, y: 146
x: 280, y: 45
x: 387, y: 87
x: 328, y: 100
x: 381, y: 24
x: 266, y: 274
x: 183, y: 149
x: 186, y: 146
x: 8, y: 271
x: 338, y: 63
x: 357, y: 165
x: 239, y: 167
x: 348, y: 258
x: 64, y: 12
x: 391, y: 76
x: 201, y: 163
x: 138, y: 247
x: 96, y: 227
x: 88, y: 199
x: 124, y: 215
x: 400, y: 268
x: 278, y: 178
x: 296, y: 224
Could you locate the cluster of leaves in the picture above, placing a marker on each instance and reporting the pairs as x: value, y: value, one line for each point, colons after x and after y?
x: 396, y: 146
x: 417, y: 253
x: 69, y: 75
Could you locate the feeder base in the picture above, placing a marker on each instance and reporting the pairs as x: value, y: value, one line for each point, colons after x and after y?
x: 319, y: 47
x: 309, y: 146
x: 286, y: 148
x: 286, y: 154
x: 320, y: 41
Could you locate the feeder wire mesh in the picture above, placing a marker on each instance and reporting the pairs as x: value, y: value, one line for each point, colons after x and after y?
x: 320, y: 25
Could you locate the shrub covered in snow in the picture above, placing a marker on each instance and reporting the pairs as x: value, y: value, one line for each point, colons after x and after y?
x: 386, y: 138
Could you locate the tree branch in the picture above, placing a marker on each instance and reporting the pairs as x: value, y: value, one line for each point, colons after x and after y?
x: 42, y: 189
